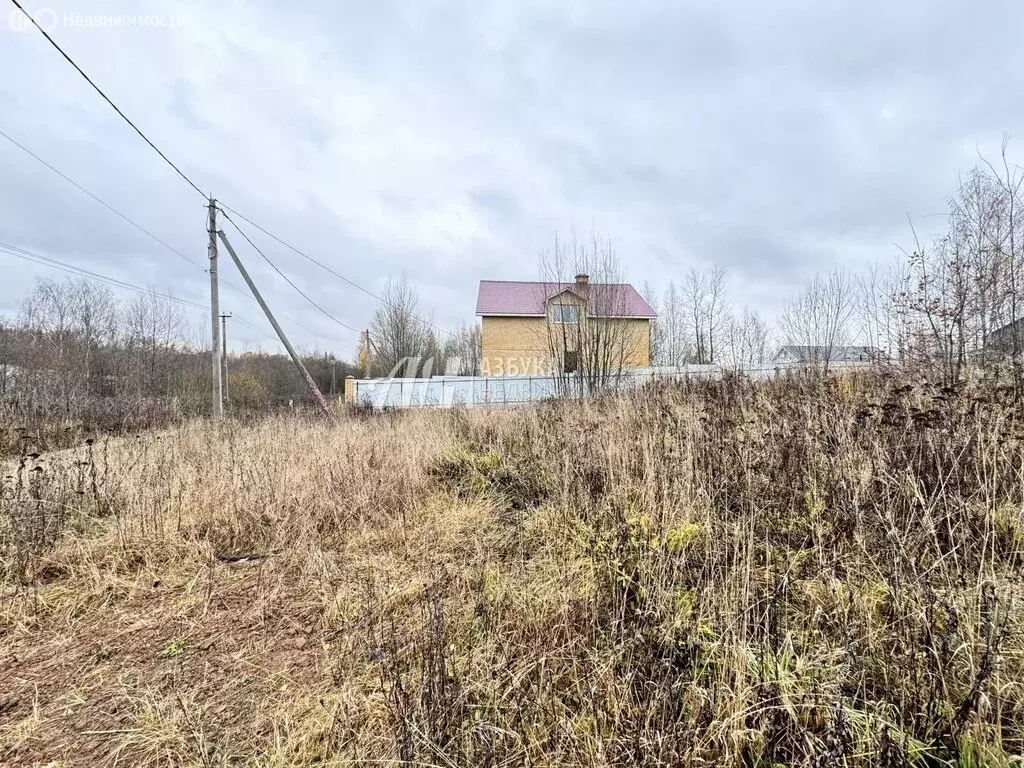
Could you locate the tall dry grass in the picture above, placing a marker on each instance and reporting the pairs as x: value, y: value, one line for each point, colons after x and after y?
x: 797, y: 572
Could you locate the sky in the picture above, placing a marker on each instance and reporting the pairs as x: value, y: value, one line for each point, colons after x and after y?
x: 453, y: 141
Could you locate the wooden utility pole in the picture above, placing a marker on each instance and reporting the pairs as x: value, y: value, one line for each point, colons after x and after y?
x: 224, y: 355
x: 365, y: 351
x: 217, y: 410
x: 273, y: 321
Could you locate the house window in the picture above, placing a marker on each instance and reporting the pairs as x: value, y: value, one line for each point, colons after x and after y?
x: 572, y: 361
x: 569, y: 314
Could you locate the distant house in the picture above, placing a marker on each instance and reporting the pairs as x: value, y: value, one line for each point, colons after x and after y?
x: 1000, y: 342
x: 538, y: 327
x: 794, y: 354
x: 10, y: 377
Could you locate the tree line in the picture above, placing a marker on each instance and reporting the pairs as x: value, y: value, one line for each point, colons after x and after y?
x: 403, y: 342
x: 76, y: 357
x: 951, y: 301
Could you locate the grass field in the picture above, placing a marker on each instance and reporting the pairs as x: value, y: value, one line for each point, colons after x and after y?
x: 789, y: 573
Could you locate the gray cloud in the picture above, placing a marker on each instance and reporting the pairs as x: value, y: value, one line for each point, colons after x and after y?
x: 453, y: 140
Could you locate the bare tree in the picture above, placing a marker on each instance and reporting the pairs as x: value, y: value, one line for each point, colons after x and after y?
x: 719, y: 311
x: 978, y: 230
x: 677, y: 341
x: 818, y: 318
x: 95, y: 322
x: 876, y: 317
x: 155, y: 326
x: 695, y: 289
x: 433, y: 358
x: 48, y: 313
x: 707, y: 311
x: 657, y: 331
x: 68, y: 321
x: 747, y: 341
x: 588, y: 334
x: 463, y: 352
x: 1010, y: 338
x: 960, y: 290
x: 7, y: 375
x: 400, y: 341
x: 934, y: 305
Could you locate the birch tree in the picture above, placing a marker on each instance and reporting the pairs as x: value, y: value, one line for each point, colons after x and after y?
x: 747, y: 340
x: 706, y: 311
x: 401, y: 342
x: 818, y: 318
x: 677, y: 339
x: 153, y: 328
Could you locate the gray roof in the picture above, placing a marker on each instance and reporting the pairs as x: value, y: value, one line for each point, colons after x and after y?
x: 1002, y: 339
x: 840, y: 354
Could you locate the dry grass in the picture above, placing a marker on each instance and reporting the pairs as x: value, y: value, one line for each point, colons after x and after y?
x: 820, y: 573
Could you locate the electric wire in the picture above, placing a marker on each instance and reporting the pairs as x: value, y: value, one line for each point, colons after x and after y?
x: 106, y: 98
x: 226, y: 208
x: 223, y: 207
x: 49, y: 261
x: 286, y: 278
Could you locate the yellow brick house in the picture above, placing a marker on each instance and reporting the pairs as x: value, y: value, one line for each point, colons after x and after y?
x: 543, y: 327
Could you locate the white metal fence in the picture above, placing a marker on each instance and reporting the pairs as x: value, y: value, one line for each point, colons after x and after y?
x: 448, y: 391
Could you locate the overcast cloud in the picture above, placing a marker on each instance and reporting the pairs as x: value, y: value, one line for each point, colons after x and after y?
x: 452, y: 140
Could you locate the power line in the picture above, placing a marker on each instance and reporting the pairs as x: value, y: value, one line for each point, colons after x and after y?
x: 107, y: 98
x: 286, y: 278
x: 251, y: 326
x: 304, y: 255
x: 105, y: 204
x: 205, y: 196
x: 145, y: 231
x: 291, y: 319
x: 224, y: 208
x: 110, y: 207
x: 22, y: 253
x: 135, y: 224
x: 49, y: 261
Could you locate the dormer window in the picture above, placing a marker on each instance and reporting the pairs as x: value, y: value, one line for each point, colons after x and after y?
x: 567, y: 314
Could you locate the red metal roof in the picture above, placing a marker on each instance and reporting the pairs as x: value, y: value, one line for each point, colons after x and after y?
x: 518, y: 297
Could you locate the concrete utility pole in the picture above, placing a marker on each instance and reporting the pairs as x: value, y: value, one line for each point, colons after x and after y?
x: 273, y: 321
x: 224, y: 354
x: 218, y: 397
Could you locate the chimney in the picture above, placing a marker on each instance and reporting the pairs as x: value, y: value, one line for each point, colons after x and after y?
x: 582, y: 278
